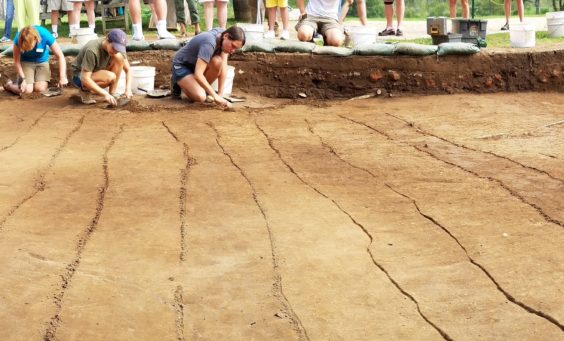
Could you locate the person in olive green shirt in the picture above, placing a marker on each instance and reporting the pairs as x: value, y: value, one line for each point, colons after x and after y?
x: 99, y: 65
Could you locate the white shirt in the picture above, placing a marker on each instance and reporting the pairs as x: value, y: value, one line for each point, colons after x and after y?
x: 324, y: 8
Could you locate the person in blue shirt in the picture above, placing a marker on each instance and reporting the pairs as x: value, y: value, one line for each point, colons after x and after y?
x: 31, y: 60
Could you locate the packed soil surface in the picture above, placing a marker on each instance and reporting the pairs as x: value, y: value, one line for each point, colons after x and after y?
x: 412, y: 218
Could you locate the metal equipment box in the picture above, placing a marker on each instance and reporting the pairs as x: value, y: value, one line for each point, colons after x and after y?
x: 470, y: 28
x: 437, y: 26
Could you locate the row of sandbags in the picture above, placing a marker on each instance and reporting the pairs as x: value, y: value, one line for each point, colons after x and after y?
x: 294, y: 46
x: 376, y: 49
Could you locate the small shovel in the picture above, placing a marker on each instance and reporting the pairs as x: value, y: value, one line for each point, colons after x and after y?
x: 233, y: 99
x: 160, y: 93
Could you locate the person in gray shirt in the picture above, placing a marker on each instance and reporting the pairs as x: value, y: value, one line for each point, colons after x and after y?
x: 202, y: 61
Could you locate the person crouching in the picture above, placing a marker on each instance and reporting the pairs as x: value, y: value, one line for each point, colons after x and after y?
x: 99, y: 65
x: 202, y: 61
x: 31, y: 60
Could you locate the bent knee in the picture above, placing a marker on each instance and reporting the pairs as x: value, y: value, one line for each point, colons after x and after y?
x: 305, y: 35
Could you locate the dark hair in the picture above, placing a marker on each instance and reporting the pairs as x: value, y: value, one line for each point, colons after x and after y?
x: 234, y: 33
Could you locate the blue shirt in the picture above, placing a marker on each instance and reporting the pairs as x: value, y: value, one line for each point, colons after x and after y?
x: 201, y: 47
x: 40, y: 53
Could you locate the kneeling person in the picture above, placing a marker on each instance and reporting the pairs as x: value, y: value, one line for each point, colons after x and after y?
x: 31, y: 60
x: 202, y: 61
x: 320, y: 16
x: 99, y: 65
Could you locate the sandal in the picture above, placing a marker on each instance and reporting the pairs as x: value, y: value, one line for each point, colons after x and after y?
x: 387, y: 32
x: 399, y: 33
x: 505, y: 27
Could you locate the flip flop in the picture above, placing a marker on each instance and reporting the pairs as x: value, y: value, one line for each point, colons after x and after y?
x: 52, y: 91
x: 159, y: 93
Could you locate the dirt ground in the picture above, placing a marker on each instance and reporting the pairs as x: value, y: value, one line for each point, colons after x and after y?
x: 420, y: 218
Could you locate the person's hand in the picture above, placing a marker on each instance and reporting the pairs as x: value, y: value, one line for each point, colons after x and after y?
x: 23, y: 85
x: 128, y: 94
x: 222, y: 102
x: 63, y: 82
x: 110, y: 99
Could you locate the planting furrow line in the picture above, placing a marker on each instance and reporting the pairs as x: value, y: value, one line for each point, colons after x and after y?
x: 378, y: 265
x: 3, y: 148
x: 183, y: 193
x: 179, y: 311
x: 514, y: 194
x: 426, y: 133
x: 277, y: 286
x: 66, y: 278
x: 39, y: 184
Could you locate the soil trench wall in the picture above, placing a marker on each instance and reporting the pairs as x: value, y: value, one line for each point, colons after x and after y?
x: 289, y: 75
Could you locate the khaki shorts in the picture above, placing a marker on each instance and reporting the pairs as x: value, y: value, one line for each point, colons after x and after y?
x: 320, y: 24
x: 276, y: 3
x: 36, y: 72
x: 56, y: 5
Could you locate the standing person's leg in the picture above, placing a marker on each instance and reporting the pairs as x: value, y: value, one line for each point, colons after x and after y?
x: 271, y: 14
x: 452, y: 8
x: 90, y: 7
x: 507, y: 12
x: 221, y: 13
x: 54, y: 23
x: 74, y: 18
x: 194, y: 15
x: 160, y: 11
x: 465, y: 9
x: 8, y: 23
x: 520, y: 10
x: 389, y: 13
x: 19, y: 6
x: 135, y: 13
x: 285, y: 35
x: 361, y: 11
x: 400, y: 11
x: 208, y: 14
x: 33, y: 9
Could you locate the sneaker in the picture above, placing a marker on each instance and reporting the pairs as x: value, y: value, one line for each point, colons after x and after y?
x: 4, y: 39
x: 387, y: 32
x: 166, y: 35
x: 86, y: 97
x: 269, y: 35
x: 55, y: 35
x: 285, y: 35
x: 505, y: 27
x: 138, y: 37
x: 175, y: 90
x: 399, y: 33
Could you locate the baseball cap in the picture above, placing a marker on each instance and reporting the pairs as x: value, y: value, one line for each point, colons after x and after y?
x: 118, y: 38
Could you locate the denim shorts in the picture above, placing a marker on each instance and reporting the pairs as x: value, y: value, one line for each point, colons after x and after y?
x: 77, y: 82
x: 180, y: 71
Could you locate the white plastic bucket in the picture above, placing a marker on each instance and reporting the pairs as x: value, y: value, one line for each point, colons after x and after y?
x: 121, y: 83
x: 555, y: 24
x: 522, y: 35
x: 83, y: 38
x: 228, y: 86
x: 362, y: 35
x: 142, y: 77
x: 253, y: 32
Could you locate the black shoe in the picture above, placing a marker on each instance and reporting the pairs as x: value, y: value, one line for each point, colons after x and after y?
x: 505, y: 27
x: 175, y: 90
x: 387, y: 32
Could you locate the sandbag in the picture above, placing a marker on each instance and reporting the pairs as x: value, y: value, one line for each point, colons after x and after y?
x: 376, y: 49
x: 166, y: 44
x: 70, y: 49
x: 134, y: 45
x: 9, y: 52
x: 412, y: 49
x: 457, y: 48
x: 332, y: 51
x: 259, y: 46
x: 293, y: 46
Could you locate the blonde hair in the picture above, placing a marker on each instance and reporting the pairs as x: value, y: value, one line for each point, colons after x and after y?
x: 28, y: 38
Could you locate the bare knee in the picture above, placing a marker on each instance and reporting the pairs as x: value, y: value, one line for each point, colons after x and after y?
x: 305, y: 34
